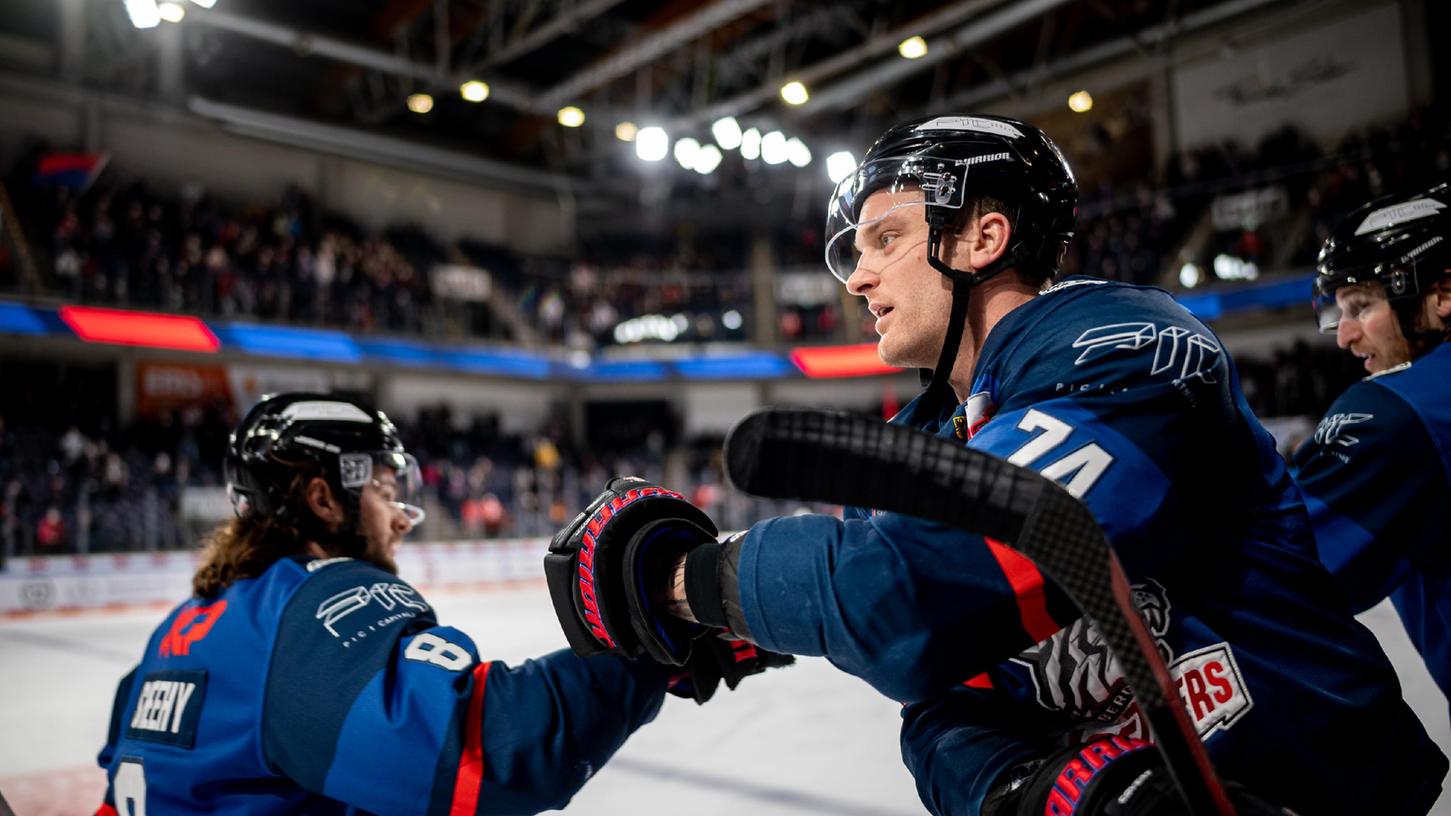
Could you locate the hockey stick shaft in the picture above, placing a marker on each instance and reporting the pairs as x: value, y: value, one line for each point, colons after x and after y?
x: 853, y: 460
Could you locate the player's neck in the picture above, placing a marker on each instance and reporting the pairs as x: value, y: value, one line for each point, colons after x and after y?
x: 992, y: 300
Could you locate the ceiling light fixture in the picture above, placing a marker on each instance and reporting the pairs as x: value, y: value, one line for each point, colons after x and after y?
x: 474, y: 90
x: 912, y: 48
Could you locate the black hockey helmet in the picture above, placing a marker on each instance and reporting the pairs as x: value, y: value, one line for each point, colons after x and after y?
x: 1402, y: 242
x: 286, y: 433
x: 952, y: 160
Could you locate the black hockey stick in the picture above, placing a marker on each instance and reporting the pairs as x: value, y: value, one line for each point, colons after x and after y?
x: 854, y: 460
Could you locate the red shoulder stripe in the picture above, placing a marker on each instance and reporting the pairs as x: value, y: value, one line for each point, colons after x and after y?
x: 470, y: 775
x: 1027, y: 583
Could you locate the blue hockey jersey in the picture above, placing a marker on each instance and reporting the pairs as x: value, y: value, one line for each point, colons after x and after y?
x: 1377, y: 479
x: 1132, y: 404
x: 328, y: 686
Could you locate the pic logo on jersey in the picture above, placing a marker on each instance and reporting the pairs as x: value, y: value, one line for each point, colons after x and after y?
x: 191, y: 625
x: 387, y: 594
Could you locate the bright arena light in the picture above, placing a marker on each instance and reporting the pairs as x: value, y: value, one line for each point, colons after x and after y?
x: 731, y: 320
x: 420, y: 103
x: 171, y: 12
x: 1228, y: 267
x: 707, y: 160
x: 794, y: 93
x: 912, y: 48
x: 685, y: 152
x: 1080, y: 102
x: 773, y: 148
x: 205, y: 3
x: 1190, y: 276
x: 727, y: 133
x: 143, y: 13
x: 474, y: 90
x: 626, y: 131
x: 652, y: 144
x: 751, y: 144
x: 570, y: 116
x: 797, y: 152
x: 839, y: 165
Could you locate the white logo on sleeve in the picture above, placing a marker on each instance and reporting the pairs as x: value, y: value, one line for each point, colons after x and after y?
x: 1331, y: 430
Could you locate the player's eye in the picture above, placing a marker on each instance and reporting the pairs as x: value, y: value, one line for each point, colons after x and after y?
x: 886, y: 239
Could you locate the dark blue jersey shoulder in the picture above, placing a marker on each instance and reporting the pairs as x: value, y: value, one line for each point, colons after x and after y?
x: 1376, y: 476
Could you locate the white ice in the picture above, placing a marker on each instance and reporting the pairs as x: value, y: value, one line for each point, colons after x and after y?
x: 807, y: 740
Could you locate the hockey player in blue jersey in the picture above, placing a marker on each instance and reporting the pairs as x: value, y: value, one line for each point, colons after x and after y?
x: 1376, y: 475
x: 951, y: 230
x: 305, y: 677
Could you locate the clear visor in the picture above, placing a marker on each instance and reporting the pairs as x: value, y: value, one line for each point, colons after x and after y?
x: 357, y: 470
x: 1393, y: 282
x: 904, y: 183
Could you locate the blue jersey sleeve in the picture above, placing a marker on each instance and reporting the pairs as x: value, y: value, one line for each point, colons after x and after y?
x: 960, y: 744
x: 909, y: 606
x: 113, y: 731
x: 1374, y: 485
x: 370, y: 702
x: 1118, y: 413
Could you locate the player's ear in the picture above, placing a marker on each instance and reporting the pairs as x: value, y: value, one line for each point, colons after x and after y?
x: 1441, y: 298
x: 990, y: 239
x: 321, y: 501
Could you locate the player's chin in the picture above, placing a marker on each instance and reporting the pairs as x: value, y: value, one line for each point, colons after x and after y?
x: 894, y: 354
x: 384, y: 557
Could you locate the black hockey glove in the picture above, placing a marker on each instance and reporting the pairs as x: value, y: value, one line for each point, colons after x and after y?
x: 1114, y: 776
x: 602, y: 567
x: 714, y: 658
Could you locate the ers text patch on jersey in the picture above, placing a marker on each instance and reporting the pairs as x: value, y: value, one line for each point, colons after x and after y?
x: 168, y: 707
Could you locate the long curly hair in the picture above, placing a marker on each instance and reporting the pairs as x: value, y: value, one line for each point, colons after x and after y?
x: 249, y: 544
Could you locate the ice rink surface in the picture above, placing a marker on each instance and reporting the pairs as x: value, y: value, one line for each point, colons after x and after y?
x: 806, y: 740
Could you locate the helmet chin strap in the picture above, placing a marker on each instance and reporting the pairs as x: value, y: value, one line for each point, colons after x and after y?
x: 962, y: 283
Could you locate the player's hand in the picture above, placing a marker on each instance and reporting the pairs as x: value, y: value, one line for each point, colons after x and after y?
x: 1113, y: 776
x: 604, y: 567
x: 717, y: 656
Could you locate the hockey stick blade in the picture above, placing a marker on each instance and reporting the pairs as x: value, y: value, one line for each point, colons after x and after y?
x: 848, y: 459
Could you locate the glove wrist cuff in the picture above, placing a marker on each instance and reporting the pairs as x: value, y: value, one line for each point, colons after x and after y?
x: 702, y: 585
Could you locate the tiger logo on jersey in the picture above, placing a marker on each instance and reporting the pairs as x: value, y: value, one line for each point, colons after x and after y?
x: 1073, y: 671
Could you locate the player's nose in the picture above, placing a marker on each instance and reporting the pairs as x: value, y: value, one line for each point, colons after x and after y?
x: 399, y: 522
x: 862, y: 280
x: 1346, y: 332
